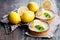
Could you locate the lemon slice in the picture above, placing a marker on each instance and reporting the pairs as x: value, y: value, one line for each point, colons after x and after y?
x: 47, y: 4
x: 40, y: 14
x: 32, y: 26
x: 21, y: 10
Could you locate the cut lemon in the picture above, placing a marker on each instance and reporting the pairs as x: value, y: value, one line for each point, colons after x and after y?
x: 47, y: 4
x: 21, y: 10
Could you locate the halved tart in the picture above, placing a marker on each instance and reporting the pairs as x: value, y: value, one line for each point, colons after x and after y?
x: 38, y: 28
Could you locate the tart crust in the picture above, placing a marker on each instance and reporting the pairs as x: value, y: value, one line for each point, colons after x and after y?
x: 38, y: 33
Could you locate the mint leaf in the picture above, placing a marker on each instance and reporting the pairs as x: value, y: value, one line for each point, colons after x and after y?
x: 47, y: 15
x: 39, y: 27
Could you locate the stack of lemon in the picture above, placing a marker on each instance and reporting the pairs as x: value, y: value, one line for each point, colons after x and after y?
x: 24, y: 14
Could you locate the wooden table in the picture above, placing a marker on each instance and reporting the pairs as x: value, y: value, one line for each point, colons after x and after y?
x: 8, y: 5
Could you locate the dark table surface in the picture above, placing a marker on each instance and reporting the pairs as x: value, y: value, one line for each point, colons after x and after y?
x: 8, y: 5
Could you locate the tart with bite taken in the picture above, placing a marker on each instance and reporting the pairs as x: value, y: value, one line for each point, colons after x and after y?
x: 38, y: 28
x: 45, y: 15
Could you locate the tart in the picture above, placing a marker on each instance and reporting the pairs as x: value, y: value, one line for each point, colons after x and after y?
x: 38, y: 28
x: 45, y: 15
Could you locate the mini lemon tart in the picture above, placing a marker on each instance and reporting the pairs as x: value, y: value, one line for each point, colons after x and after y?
x: 38, y: 28
x: 45, y: 15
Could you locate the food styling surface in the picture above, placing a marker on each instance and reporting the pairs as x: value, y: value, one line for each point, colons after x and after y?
x: 18, y: 34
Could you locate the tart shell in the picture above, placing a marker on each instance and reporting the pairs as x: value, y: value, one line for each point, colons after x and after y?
x: 40, y: 33
x: 47, y: 20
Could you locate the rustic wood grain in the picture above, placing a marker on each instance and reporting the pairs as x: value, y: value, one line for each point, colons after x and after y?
x: 18, y: 34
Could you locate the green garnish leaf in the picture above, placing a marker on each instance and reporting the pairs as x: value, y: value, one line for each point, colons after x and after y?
x: 39, y: 27
x: 47, y: 15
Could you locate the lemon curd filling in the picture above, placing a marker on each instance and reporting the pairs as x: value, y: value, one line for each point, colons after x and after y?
x: 44, y: 14
x: 38, y: 26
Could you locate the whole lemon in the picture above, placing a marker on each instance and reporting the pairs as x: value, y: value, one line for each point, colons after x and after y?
x: 14, y: 18
x: 33, y: 6
x: 27, y: 16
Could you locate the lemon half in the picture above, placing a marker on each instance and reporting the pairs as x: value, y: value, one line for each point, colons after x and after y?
x: 21, y: 10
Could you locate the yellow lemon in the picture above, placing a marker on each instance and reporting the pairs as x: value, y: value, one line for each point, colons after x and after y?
x: 33, y: 6
x: 27, y: 16
x: 14, y: 18
x: 21, y: 10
